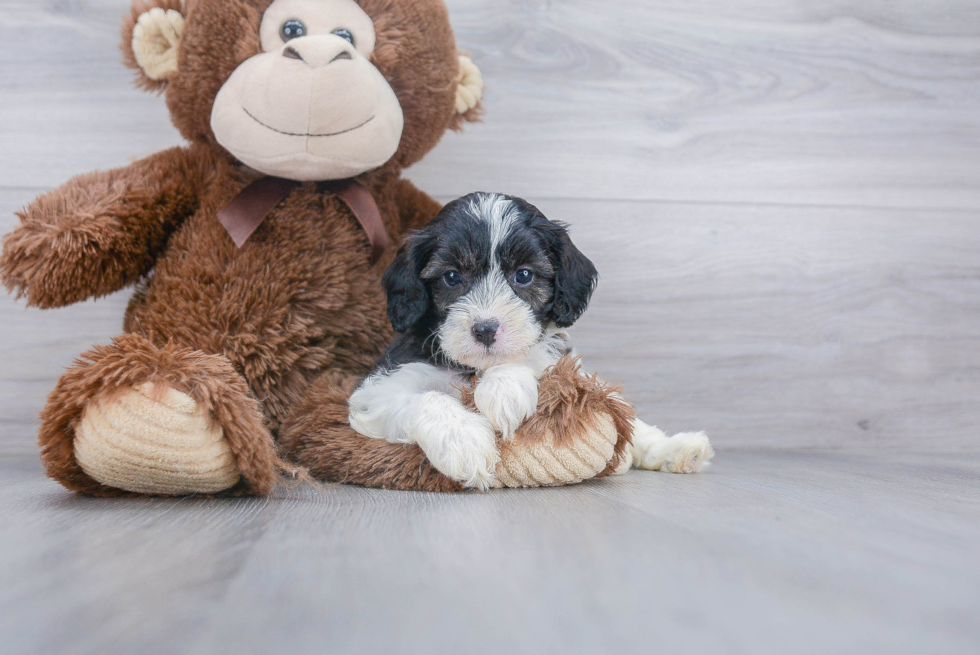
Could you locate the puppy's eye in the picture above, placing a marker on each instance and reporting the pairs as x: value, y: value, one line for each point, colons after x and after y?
x: 523, y: 277
x: 292, y: 29
x: 452, y: 278
x: 344, y: 34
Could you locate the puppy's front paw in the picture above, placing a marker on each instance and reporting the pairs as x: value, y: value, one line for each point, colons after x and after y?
x: 461, y: 444
x: 508, y: 396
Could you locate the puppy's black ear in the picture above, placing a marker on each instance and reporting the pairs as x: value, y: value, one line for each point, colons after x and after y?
x: 575, y: 276
x: 408, y: 297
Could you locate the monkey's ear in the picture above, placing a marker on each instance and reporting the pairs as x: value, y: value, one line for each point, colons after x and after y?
x: 408, y: 297
x: 151, y: 34
x: 469, y: 93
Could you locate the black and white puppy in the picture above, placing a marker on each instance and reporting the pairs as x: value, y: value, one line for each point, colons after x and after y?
x: 485, y: 288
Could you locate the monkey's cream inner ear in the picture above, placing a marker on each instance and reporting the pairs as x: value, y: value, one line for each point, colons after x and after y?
x: 469, y: 89
x: 156, y: 40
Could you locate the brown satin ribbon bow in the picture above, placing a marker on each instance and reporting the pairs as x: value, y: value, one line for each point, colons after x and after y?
x: 246, y: 212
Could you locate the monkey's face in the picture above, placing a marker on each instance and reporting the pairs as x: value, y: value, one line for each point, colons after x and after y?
x: 307, y: 90
x: 311, y: 105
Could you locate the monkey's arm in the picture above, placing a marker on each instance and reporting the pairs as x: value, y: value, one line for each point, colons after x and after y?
x: 101, y: 231
x: 415, y: 208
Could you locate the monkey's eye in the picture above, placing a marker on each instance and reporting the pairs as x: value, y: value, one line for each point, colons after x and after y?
x: 292, y: 29
x: 344, y: 34
x: 523, y: 277
x: 452, y: 278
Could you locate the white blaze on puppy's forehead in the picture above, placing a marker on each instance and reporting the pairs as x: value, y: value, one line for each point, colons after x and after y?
x: 500, y: 214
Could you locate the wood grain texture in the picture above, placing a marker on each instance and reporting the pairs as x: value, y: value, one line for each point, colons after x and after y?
x: 787, y: 326
x: 767, y: 315
x: 869, y: 103
x: 782, y: 198
x: 765, y: 553
x: 766, y: 326
x: 829, y: 102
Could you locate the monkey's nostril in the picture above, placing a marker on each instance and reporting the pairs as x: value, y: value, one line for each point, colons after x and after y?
x: 342, y: 55
x: 486, y: 332
x: 291, y: 53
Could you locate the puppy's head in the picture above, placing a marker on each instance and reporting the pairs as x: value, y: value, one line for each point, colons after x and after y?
x: 485, y: 278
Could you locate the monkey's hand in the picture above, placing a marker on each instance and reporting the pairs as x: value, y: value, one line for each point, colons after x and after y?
x: 99, y: 232
x: 507, y: 395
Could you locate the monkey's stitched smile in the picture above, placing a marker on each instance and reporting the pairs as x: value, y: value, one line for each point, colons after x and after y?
x: 269, y: 127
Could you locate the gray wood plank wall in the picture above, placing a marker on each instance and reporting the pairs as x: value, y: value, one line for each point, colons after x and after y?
x: 782, y: 197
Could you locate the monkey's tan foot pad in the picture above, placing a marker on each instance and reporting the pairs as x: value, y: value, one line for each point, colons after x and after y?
x: 539, y: 462
x: 153, y: 439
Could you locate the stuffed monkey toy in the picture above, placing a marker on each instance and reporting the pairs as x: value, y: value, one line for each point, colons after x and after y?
x: 256, y: 252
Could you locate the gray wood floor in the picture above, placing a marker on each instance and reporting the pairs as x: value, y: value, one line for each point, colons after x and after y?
x: 783, y: 198
x: 782, y: 553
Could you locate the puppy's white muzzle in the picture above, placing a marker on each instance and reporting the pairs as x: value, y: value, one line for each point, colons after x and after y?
x: 464, y: 334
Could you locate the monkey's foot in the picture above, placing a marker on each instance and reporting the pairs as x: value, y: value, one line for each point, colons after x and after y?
x: 581, y: 430
x: 133, y: 417
x: 153, y: 439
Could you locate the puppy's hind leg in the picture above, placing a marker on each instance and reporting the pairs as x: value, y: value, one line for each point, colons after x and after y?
x: 685, y: 452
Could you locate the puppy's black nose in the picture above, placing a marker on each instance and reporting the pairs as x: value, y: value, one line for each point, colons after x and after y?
x: 486, y: 332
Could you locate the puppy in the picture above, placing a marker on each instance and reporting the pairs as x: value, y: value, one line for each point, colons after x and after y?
x: 485, y: 288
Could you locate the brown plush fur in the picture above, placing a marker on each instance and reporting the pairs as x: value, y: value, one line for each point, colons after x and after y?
x: 570, y: 403
x: 102, y: 231
x: 283, y: 326
x: 241, y: 330
x: 130, y: 360
x: 129, y: 23
x: 318, y: 434
x: 415, y: 51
